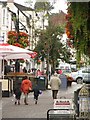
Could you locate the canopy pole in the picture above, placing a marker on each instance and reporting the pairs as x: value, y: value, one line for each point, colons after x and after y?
x: 3, y: 68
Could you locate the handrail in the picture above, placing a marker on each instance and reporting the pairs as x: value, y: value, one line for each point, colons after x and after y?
x: 56, y: 110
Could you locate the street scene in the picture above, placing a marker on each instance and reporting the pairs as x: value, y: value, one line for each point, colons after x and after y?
x: 45, y: 59
x: 45, y: 102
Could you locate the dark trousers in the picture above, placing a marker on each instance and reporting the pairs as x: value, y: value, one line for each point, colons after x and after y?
x: 36, y: 97
x: 54, y: 94
x: 18, y: 95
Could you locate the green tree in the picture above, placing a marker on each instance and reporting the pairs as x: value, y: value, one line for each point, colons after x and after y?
x: 44, y: 8
x: 50, y: 46
x: 79, y: 26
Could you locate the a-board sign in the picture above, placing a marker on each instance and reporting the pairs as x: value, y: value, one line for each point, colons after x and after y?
x: 66, y: 106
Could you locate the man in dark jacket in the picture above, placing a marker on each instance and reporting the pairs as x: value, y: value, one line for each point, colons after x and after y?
x: 17, y: 92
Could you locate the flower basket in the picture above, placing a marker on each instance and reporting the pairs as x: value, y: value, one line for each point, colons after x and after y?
x: 20, y: 40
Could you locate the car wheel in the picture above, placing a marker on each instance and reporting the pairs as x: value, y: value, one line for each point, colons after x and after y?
x: 79, y: 81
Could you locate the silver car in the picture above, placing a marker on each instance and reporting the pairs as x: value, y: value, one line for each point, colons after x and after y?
x: 81, y: 75
x: 86, y: 78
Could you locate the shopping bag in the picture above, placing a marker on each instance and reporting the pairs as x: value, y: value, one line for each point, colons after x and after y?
x: 30, y: 89
x: 40, y: 92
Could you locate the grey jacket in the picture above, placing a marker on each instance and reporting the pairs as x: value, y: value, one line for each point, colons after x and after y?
x: 55, y: 83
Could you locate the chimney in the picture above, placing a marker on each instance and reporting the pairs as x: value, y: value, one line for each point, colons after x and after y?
x: 10, y: 4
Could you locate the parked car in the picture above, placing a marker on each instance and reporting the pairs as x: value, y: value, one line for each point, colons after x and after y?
x: 86, y: 78
x: 81, y: 75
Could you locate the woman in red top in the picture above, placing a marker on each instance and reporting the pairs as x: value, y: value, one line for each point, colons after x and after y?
x: 25, y: 87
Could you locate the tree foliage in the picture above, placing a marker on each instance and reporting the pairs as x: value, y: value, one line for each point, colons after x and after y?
x: 78, y: 26
x: 50, y: 44
x: 42, y: 6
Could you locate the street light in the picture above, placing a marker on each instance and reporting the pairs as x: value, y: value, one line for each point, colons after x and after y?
x: 47, y: 69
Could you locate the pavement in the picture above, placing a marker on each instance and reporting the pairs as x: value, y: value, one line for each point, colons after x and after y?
x: 45, y: 102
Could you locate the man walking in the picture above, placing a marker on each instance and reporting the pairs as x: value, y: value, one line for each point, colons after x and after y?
x: 55, y: 83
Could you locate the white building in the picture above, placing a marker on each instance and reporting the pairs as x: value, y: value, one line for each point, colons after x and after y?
x: 16, y: 17
x: 10, y: 14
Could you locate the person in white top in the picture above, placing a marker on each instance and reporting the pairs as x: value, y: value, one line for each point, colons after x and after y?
x: 55, y: 83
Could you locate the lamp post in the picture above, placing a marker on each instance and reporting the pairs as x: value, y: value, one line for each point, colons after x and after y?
x: 47, y: 68
x: 48, y: 64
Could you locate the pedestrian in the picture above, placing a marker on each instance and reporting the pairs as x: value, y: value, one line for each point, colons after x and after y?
x: 29, y: 71
x: 36, y: 91
x: 24, y: 70
x: 7, y: 68
x: 60, y: 71
x: 38, y: 72
x: 17, y: 92
x: 17, y: 66
x: 55, y: 83
x: 26, y: 85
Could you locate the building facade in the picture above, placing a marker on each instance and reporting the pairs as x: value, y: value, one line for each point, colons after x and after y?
x: 16, y: 17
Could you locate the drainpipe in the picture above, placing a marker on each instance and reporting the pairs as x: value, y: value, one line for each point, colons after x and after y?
x: 18, y: 24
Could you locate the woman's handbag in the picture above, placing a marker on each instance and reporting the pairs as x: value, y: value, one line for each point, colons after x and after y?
x: 30, y: 89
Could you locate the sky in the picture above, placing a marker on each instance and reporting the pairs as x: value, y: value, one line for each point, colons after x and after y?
x: 59, y: 5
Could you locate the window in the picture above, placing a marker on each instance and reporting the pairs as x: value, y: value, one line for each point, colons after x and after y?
x: 86, y: 71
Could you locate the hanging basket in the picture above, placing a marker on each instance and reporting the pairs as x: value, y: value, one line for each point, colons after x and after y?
x: 20, y: 40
